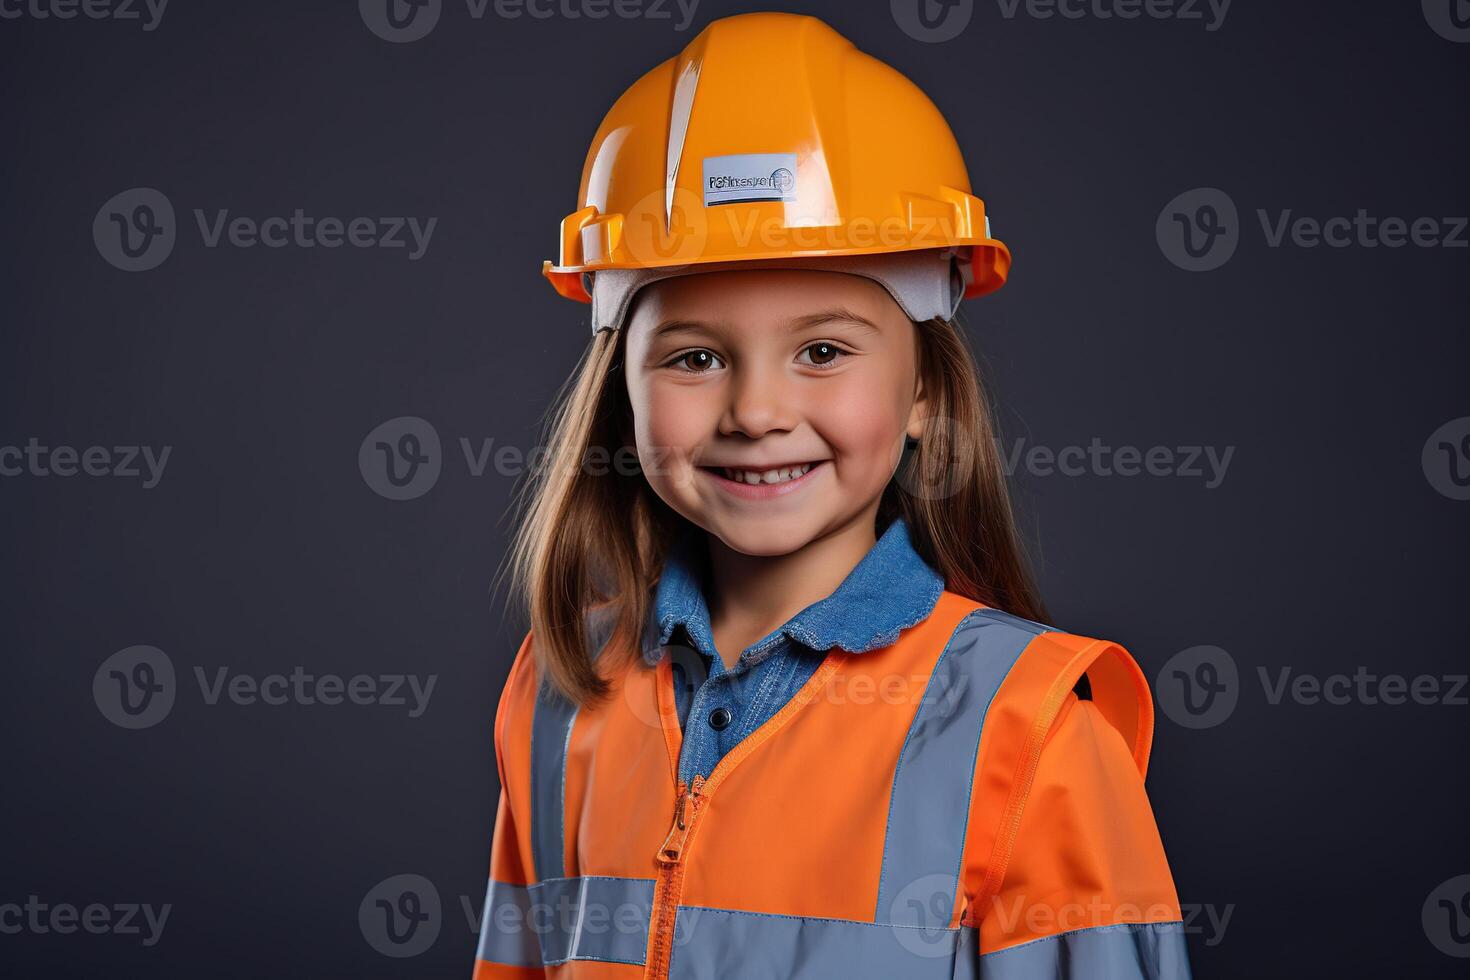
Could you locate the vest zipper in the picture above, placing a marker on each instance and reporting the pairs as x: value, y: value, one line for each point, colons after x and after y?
x: 671, y: 876
x: 689, y: 801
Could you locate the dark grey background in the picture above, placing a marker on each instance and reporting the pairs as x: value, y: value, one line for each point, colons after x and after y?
x: 1321, y: 829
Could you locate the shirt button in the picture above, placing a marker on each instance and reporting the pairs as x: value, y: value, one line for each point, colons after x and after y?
x: 719, y: 719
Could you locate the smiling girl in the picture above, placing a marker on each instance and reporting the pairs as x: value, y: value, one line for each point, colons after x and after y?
x: 788, y: 706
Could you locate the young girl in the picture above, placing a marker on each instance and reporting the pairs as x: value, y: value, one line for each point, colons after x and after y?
x: 787, y: 707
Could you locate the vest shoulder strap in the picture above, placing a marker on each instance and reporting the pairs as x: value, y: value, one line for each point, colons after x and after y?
x: 1017, y: 726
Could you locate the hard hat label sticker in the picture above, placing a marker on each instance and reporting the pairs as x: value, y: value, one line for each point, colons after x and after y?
x: 749, y: 177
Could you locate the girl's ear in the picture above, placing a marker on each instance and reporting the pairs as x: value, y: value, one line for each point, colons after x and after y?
x: 919, y: 414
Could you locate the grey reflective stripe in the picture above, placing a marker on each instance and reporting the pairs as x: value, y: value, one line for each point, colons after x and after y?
x: 551, y: 732
x: 714, y: 944
x: 503, y: 935
x: 929, y: 808
x: 551, y: 729
x: 1129, y: 951
x: 593, y: 918
x: 723, y: 943
x: 589, y: 918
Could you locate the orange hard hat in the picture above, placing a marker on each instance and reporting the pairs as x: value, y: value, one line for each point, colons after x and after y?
x: 770, y: 136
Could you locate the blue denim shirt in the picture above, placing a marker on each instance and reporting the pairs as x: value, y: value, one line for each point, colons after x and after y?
x: 891, y: 589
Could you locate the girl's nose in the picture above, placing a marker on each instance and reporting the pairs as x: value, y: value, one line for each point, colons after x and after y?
x: 760, y: 401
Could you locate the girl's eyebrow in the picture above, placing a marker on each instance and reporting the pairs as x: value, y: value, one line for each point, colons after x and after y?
x: 806, y: 322
x: 675, y: 326
x: 833, y: 315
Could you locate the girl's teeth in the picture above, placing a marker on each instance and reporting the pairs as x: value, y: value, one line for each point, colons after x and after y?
x: 767, y: 476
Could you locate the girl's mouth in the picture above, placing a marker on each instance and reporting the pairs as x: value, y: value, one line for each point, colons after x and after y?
x: 763, y: 484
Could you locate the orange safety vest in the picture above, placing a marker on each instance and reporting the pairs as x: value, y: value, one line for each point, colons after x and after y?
x: 946, y: 806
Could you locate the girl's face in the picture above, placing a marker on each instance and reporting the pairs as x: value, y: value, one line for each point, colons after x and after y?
x: 770, y: 369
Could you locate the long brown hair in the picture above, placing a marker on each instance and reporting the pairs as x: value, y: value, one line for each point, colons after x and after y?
x: 592, y: 533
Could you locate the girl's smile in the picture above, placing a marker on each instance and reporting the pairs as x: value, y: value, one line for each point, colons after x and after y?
x: 750, y: 484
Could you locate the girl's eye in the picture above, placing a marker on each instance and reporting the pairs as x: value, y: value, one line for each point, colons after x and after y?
x: 701, y: 361
x: 828, y: 354
x: 700, y: 357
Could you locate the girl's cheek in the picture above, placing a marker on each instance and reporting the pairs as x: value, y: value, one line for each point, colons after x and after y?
x: 674, y: 420
x: 860, y: 420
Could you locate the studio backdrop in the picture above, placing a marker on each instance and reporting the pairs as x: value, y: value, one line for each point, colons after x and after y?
x: 276, y: 353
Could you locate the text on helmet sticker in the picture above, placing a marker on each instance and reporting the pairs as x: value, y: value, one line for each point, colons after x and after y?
x: 749, y: 177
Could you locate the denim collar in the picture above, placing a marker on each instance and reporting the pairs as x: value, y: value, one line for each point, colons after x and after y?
x: 891, y: 589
